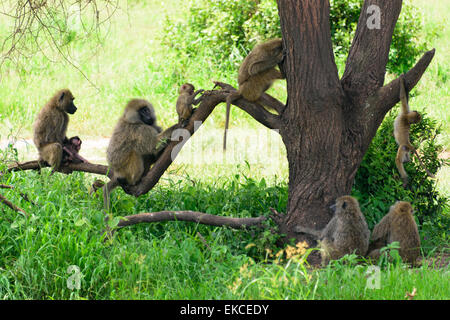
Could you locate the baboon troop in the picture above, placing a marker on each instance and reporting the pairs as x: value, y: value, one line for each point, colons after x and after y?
x: 137, y: 142
x: 256, y: 75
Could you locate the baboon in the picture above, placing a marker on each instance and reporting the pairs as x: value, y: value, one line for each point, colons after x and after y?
x: 398, y: 225
x: 256, y: 75
x: 347, y: 231
x: 71, y: 147
x: 135, y: 139
x: 50, y: 127
x: 402, y: 126
x: 185, y: 101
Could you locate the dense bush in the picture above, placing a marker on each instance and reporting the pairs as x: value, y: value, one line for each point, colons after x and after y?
x: 225, y: 30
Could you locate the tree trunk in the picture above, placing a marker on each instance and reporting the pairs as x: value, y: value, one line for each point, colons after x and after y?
x: 329, y: 123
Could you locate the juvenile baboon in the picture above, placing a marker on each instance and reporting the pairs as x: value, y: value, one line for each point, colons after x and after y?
x: 51, y: 125
x: 136, y: 137
x: 71, y: 149
x: 185, y: 101
x: 402, y: 126
x: 347, y: 231
x: 256, y: 75
x: 398, y: 225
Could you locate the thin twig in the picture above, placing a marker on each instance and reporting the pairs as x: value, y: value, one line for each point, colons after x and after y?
x: 12, y: 206
x: 23, y: 195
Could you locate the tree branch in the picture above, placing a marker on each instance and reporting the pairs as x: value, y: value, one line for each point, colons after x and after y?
x: 12, y: 206
x: 191, y: 216
x: 366, y: 63
x: 23, y: 195
x: 389, y: 95
x: 84, y: 167
x: 273, y: 103
x: 256, y: 110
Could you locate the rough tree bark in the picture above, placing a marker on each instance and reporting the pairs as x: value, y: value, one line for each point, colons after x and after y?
x: 328, y: 122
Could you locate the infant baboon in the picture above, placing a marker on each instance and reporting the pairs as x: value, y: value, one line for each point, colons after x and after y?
x: 71, y: 149
x: 50, y: 127
x: 136, y: 137
x: 185, y: 101
x: 346, y: 233
x: 402, y: 125
x: 397, y: 225
x: 256, y: 75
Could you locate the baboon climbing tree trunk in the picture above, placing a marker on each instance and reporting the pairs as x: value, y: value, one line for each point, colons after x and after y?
x: 328, y: 123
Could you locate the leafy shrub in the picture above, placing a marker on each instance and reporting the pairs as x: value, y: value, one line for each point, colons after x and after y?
x: 225, y: 30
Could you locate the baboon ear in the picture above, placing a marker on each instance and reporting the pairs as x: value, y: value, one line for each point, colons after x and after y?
x: 344, y: 205
x: 61, y: 97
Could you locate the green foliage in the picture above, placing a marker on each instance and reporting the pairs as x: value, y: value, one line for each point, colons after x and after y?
x: 377, y: 183
x: 227, y: 29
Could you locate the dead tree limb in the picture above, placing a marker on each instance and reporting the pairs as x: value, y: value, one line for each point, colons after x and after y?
x: 13, y: 206
x: 23, y: 195
x: 84, y: 167
x: 191, y: 216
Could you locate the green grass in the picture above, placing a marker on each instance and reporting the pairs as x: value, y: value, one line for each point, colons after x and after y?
x: 168, y: 260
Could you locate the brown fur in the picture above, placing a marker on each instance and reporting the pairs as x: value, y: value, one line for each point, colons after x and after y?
x: 185, y: 101
x: 346, y: 233
x: 402, y: 125
x: 50, y: 127
x: 132, y: 142
x: 398, y: 225
x: 256, y: 75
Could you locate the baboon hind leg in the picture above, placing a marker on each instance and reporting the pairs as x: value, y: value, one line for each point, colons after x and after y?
x: 52, y: 154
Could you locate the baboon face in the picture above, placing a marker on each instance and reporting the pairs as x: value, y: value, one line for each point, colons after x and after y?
x: 146, y: 115
x: 140, y: 111
x: 187, y: 87
x: 65, y: 102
